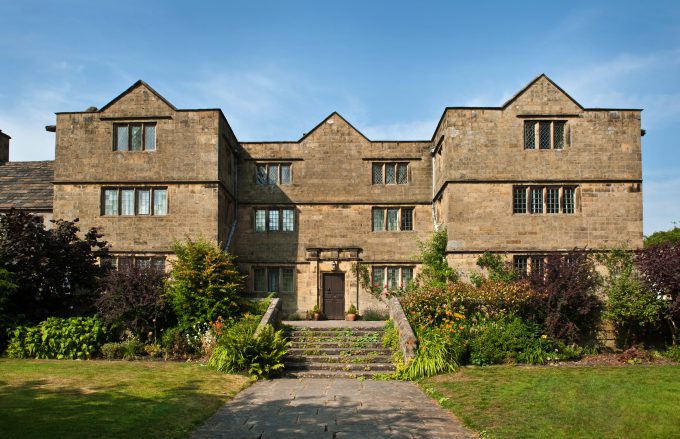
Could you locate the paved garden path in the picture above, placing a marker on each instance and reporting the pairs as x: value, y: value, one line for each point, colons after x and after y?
x: 332, y: 408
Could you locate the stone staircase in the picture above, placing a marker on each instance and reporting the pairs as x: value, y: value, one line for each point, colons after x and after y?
x: 337, y: 353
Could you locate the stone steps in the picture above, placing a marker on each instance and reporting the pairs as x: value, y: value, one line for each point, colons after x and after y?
x: 337, y: 353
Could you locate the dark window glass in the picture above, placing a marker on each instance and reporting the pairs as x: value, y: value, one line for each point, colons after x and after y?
x: 378, y: 220
x: 406, y: 219
x: 558, y: 134
x: 402, y: 173
x: 544, y: 135
x: 569, y: 202
x: 272, y: 280
x: 260, y: 282
x: 552, y: 200
x: 261, y: 174
x: 529, y: 135
x: 519, y: 200
x: 390, y: 175
x: 287, y: 280
x: 521, y: 265
x: 377, y: 173
x: 536, y: 200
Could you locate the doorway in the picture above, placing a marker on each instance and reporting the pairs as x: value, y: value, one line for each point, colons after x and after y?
x: 334, y: 295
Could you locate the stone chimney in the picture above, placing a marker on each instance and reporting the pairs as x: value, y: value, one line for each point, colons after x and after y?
x: 4, y: 147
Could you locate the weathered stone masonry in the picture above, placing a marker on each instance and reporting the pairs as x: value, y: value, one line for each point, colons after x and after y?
x: 302, y: 223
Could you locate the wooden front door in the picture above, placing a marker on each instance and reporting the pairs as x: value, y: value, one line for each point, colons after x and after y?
x: 334, y: 296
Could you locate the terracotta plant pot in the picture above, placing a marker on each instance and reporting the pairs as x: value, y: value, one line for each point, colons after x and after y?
x: 351, y: 317
x: 316, y: 316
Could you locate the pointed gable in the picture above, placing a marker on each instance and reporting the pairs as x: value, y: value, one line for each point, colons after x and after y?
x: 333, y: 128
x: 542, y: 96
x: 139, y: 100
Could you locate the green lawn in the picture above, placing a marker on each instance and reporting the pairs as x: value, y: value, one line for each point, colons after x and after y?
x: 108, y: 399
x: 564, y: 402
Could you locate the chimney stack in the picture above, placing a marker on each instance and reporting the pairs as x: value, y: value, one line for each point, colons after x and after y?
x: 4, y: 147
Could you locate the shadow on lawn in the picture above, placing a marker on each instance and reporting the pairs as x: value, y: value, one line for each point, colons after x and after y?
x: 36, y: 409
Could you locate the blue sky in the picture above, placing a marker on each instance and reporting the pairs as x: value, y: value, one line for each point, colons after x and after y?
x: 278, y: 68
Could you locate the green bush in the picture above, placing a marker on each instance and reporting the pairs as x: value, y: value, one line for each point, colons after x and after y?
x: 112, y: 351
x: 499, y: 341
x: 238, y: 350
x: 435, y: 270
x: 130, y: 349
x: 438, y: 352
x: 175, y: 344
x: 205, y: 284
x: 70, y: 339
x: 374, y: 315
x: 673, y: 353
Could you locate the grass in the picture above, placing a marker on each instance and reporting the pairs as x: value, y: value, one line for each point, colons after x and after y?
x: 109, y: 399
x: 563, y: 402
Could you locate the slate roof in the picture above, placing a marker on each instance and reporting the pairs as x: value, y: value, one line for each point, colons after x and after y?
x: 26, y: 185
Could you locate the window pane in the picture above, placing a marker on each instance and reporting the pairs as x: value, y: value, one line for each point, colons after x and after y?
x: 390, y: 177
x: 287, y: 280
x: 519, y: 200
x: 558, y: 134
x: 144, y: 202
x: 122, y: 138
x: 260, y: 220
x: 143, y: 262
x: 378, y: 220
x: 149, y: 137
x: 536, y: 200
x: 260, y: 282
x: 569, y: 200
x: 273, y: 174
x: 402, y: 173
x: 529, y: 135
x: 406, y: 276
x: 274, y: 219
x: 406, y: 219
x: 552, y: 200
x: 378, y: 276
x: 537, y: 265
x: 124, y: 263
x: 521, y: 265
x: 272, y: 280
x: 377, y: 173
x: 127, y: 202
x: 158, y: 264
x: 135, y: 137
x: 544, y: 135
x: 285, y: 174
x: 392, y: 216
x: 261, y: 174
x: 288, y: 220
x: 392, y: 277
x: 160, y: 202
x: 111, y: 202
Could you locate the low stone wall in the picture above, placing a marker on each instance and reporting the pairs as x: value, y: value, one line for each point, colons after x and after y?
x: 407, y: 338
x: 272, y: 316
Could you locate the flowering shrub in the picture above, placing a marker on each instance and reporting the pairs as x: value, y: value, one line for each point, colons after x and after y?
x: 433, y: 307
x: 494, y: 297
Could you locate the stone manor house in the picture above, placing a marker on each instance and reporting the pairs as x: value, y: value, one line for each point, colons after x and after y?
x: 538, y: 175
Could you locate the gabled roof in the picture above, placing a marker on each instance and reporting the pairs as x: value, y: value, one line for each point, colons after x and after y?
x: 534, y: 81
x: 139, y: 83
x: 335, y: 113
x: 27, y: 185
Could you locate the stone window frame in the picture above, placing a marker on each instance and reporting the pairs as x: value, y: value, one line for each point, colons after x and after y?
x: 137, y: 189
x: 384, y: 282
x: 124, y: 262
x: 533, y: 134
x: 395, y: 165
x: 523, y: 199
x: 267, y: 216
x: 400, y: 218
x: 279, y: 173
x: 266, y: 270
x: 143, y: 125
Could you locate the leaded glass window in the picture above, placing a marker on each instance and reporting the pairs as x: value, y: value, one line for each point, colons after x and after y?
x: 529, y: 135
x: 274, y: 218
x: 273, y: 174
x: 558, y: 134
x: 406, y: 276
x: 285, y: 174
x: 378, y: 220
x: 160, y: 202
x: 287, y: 280
x: 406, y: 219
x: 260, y: 220
x: 402, y: 173
x: 392, y: 277
x: 111, y: 202
x: 519, y: 200
x: 569, y: 200
x: 521, y: 265
x: 392, y: 219
x: 378, y: 276
x: 377, y: 173
x: 127, y: 202
x: 536, y: 200
x: 135, y: 137
x: 260, y: 281
x: 158, y: 264
x: 390, y: 177
x: 261, y: 174
x: 143, y: 262
x: 552, y: 200
x: 288, y: 220
x: 144, y: 202
x: 544, y: 135
x: 122, y: 138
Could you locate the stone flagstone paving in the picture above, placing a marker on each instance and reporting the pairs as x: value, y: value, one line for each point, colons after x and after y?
x: 332, y: 408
